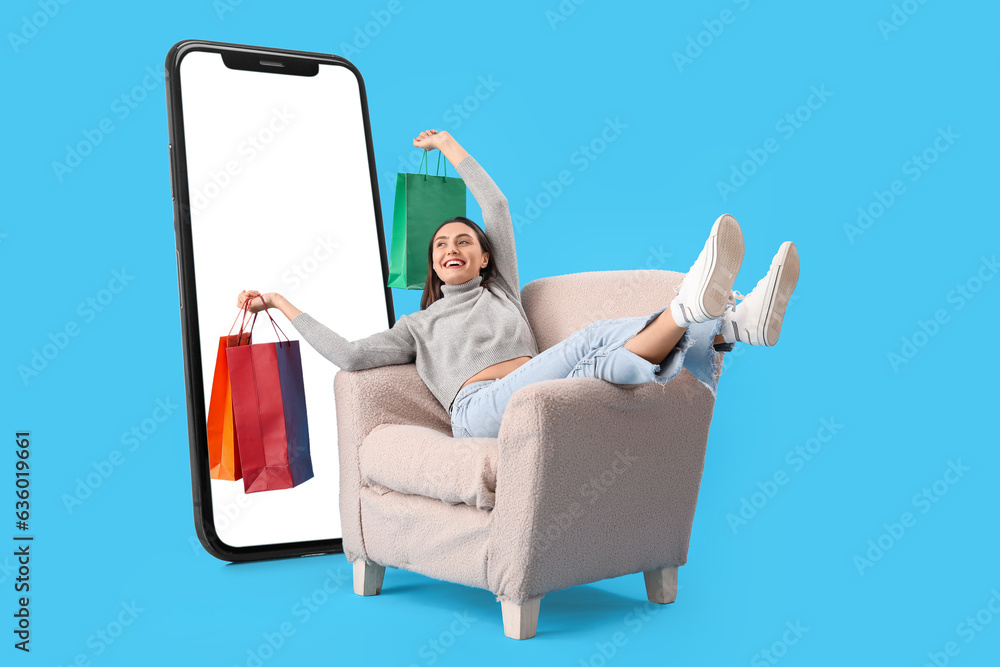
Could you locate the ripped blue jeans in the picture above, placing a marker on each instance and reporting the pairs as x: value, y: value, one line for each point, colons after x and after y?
x: 598, y: 350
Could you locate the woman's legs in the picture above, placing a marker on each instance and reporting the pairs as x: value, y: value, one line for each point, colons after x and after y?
x: 628, y: 350
x: 598, y: 350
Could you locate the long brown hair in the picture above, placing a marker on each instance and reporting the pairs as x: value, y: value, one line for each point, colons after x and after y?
x: 432, y: 290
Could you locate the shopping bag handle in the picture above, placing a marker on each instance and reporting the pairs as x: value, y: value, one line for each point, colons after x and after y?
x: 243, y: 310
x: 423, y: 160
x: 246, y: 306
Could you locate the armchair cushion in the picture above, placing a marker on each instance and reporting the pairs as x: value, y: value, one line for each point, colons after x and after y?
x: 423, y: 461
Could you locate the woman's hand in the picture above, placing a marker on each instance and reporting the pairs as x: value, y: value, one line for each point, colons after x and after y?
x: 267, y: 300
x: 431, y: 139
x: 257, y: 304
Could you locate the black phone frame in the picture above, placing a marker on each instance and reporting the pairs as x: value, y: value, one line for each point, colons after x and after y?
x: 298, y: 63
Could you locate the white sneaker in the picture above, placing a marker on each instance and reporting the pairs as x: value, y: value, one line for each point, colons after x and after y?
x: 706, y: 288
x: 757, y: 318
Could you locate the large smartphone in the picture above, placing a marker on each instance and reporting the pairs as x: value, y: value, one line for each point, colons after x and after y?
x: 274, y: 189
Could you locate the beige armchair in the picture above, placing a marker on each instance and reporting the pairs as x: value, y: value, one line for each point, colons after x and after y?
x: 587, y: 480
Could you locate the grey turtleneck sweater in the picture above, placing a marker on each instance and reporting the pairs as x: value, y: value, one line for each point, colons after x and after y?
x: 470, y: 328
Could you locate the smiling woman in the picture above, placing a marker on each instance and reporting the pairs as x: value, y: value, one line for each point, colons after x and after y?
x: 459, y: 251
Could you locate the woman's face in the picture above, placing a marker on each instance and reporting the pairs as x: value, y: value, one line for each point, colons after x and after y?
x: 456, y: 243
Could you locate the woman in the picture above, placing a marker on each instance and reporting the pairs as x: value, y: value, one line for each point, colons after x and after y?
x: 471, y: 339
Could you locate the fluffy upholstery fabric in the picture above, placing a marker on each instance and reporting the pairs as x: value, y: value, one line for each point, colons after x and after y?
x: 427, y: 536
x: 593, y: 479
x: 425, y: 462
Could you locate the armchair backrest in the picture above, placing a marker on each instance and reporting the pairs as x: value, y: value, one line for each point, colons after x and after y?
x: 557, y: 306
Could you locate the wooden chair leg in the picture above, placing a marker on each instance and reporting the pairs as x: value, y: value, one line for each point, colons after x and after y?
x: 661, y: 585
x: 368, y: 577
x: 520, y: 621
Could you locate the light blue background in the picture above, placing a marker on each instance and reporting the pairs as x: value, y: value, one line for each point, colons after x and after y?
x: 647, y: 200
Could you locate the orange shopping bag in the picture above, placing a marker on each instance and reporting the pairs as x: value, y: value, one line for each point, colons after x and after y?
x: 223, y: 445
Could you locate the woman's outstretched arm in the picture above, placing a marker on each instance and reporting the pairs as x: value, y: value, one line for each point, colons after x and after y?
x: 385, y: 348
x: 498, y: 225
x: 259, y: 302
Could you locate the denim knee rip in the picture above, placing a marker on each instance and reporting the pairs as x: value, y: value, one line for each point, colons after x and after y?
x: 714, y: 351
x: 677, y: 358
x: 674, y: 362
x: 671, y: 366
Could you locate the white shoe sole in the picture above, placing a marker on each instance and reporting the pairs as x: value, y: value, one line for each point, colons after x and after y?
x: 785, y: 276
x: 725, y: 259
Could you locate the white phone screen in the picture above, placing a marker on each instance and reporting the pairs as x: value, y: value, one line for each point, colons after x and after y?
x: 281, y: 201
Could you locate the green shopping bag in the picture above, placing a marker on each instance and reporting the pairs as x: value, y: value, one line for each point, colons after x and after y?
x: 422, y: 203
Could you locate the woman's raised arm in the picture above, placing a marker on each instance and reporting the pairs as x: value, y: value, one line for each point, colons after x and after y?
x: 497, y: 222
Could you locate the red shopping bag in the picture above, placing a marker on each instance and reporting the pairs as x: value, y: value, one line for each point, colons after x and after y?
x: 223, y: 454
x: 269, y: 405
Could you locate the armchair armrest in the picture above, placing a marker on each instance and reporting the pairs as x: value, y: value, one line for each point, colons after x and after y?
x: 595, y: 480
x: 365, y: 399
